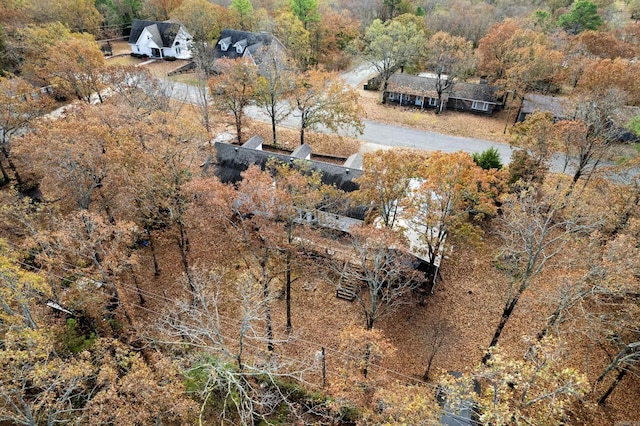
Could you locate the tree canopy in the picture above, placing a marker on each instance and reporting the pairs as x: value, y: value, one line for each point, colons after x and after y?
x: 583, y: 16
x: 391, y: 45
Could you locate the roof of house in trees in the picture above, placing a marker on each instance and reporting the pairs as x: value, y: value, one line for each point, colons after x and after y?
x: 533, y: 102
x: 232, y: 160
x: 163, y: 33
x: 426, y: 86
x: 234, y: 44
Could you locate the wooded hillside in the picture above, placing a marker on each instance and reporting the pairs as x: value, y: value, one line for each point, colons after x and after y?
x: 141, y: 285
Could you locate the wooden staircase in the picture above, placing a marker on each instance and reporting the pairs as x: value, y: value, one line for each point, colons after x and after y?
x: 346, y: 289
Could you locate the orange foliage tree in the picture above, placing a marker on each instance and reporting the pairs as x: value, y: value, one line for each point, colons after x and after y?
x: 322, y: 99
x: 234, y: 88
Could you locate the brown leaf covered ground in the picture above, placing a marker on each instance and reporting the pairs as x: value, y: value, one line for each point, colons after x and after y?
x: 469, y: 300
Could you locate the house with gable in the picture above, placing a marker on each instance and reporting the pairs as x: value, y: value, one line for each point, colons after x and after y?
x: 235, y: 44
x: 160, y: 39
x: 420, y: 91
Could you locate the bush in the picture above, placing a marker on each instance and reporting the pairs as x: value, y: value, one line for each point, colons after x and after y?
x: 169, y: 58
x: 523, y: 167
x: 488, y: 159
x: 76, y: 340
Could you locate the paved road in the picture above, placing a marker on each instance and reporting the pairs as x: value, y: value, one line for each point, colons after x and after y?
x: 378, y: 135
x: 396, y: 136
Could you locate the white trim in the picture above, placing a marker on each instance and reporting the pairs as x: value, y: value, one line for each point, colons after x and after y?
x: 480, y: 105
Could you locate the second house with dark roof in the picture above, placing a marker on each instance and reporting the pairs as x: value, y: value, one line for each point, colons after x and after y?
x: 418, y: 91
x: 160, y: 39
x: 235, y: 44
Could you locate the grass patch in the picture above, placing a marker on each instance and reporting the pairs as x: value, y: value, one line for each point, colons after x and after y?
x: 123, y: 60
x: 186, y: 78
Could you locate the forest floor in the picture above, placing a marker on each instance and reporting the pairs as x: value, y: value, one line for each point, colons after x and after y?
x: 467, y: 302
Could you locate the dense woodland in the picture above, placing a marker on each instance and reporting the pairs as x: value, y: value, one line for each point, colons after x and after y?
x: 138, y: 288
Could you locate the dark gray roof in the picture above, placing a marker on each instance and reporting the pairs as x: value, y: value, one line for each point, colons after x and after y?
x: 412, y: 85
x: 249, y: 41
x: 302, y: 151
x: 426, y: 86
x: 233, y: 160
x: 533, y: 102
x: 475, y: 92
x: 163, y: 32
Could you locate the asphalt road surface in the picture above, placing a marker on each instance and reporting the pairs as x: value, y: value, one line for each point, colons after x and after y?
x: 379, y: 135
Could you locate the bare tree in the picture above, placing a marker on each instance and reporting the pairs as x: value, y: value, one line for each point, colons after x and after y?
x: 535, y: 228
x: 234, y: 88
x: 435, y: 338
x: 251, y: 389
x: 386, y: 273
x: 585, y: 142
x: 275, y: 84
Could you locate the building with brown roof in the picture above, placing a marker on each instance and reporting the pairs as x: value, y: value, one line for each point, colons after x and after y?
x: 420, y: 92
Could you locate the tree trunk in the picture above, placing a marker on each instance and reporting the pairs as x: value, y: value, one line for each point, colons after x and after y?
x: 240, y: 348
x: 183, y: 243
x: 139, y: 291
x: 425, y: 377
x: 301, y: 135
x: 267, y: 308
x: 506, y: 314
x: 273, y: 128
x: 367, y: 357
x: 12, y: 167
x: 552, y: 321
x: 238, y: 117
x: 288, y: 290
x: 156, y: 267
x: 5, y: 176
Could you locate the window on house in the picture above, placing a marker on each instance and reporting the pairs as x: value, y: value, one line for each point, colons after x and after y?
x: 177, y: 50
x: 433, y: 102
x: 392, y: 96
x: 480, y: 106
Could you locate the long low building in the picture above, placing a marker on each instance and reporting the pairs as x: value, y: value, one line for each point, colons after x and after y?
x: 232, y: 160
x: 419, y: 91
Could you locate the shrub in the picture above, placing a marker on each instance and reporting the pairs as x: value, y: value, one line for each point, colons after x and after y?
x: 523, y: 167
x: 169, y: 58
x: 488, y: 159
x: 74, y: 339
